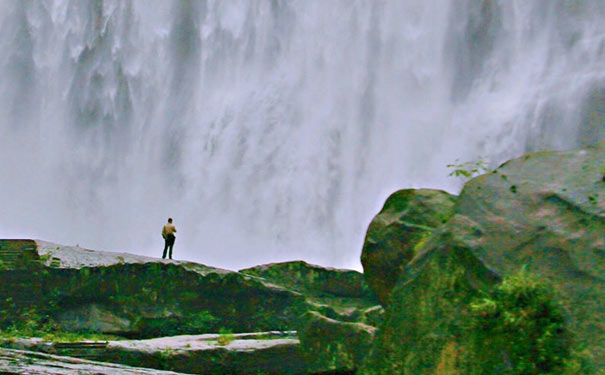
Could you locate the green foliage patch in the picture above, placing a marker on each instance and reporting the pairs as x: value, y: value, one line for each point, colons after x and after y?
x: 521, y: 329
x: 468, y: 169
x: 30, y: 323
x: 225, y: 337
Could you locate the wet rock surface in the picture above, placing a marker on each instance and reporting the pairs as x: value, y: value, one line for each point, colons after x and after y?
x: 408, y: 217
x: 334, y: 346
x: 34, y: 363
x: 313, y: 280
x: 152, y: 301
x: 250, y: 353
x: 336, y: 293
x: 141, y: 297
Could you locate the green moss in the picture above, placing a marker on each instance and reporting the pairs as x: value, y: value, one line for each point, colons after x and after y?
x: 394, y: 236
x: 33, y: 325
x: 522, y: 321
x: 225, y: 337
x: 330, y: 345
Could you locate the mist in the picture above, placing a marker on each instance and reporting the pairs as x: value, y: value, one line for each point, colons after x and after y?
x: 274, y: 130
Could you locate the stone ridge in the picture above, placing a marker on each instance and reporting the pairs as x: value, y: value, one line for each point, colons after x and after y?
x: 298, y: 263
x: 61, y: 256
x: 142, y: 297
x: 314, y: 281
x: 28, y: 363
x: 271, y: 353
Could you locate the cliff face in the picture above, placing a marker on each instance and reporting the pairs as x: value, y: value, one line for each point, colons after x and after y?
x: 49, y: 288
x: 139, y: 297
x: 544, y: 213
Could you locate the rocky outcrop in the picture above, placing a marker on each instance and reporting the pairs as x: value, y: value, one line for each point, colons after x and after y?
x: 19, y: 362
x: 336, y: 293
x: 312, y: 280
x: 137, y: 297
x: 210, y: 354
x: 543, y: 212
x: 140, y: 297
x: 406, y: 220
x: 333, y: 346
x: 337, y: 335
x: 80, y: 290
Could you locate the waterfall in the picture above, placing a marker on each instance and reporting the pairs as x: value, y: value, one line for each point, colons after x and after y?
x: 273, y: 130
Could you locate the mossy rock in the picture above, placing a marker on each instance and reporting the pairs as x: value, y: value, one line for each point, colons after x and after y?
x: 544, y: 213
x: 26, y: 362
x: 337, y: 293
x: 140, y: 297
x: 406, y: 220
x: 331, y: 346
x: 429, y: 309
x: 312, y: 280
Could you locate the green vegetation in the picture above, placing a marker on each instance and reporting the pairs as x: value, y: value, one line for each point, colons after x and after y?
x: 32, y: 324
x: 201, y: 321
x: 467, y: 169
x: 194, y: 323
x: 45, y: 257
x: 521, y: 329
x: 225, y: 337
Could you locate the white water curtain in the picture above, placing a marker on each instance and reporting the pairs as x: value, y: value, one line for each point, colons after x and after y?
x: 273, y: 130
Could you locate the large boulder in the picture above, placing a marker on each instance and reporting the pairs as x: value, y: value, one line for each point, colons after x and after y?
x: 139, y: 297
x: 429, y: 308
x: 544, y: 213
x: 406, y: 220
x: 332, y: 346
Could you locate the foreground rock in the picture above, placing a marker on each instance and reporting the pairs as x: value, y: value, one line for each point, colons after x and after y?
x: 211, y: 354
x: 336, y: 293
x: 333, y: 346
x: 315, y: 281
x: 80, y: 290
x: 429, y: 309
x: 544, y: 212
x: 138, y: 297
x: 337, y: 335
x: 406, y: 220
x: 29, y: 363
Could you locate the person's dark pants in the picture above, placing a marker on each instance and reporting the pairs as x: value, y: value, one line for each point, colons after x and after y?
x: 168, y: 244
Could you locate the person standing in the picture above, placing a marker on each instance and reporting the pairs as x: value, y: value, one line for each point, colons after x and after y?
x: 168, y: 232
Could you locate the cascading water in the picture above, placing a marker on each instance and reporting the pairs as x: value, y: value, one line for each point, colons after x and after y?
x: 274, y: 130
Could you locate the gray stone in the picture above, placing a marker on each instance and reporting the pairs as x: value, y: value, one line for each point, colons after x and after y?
x: 30, y: 363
